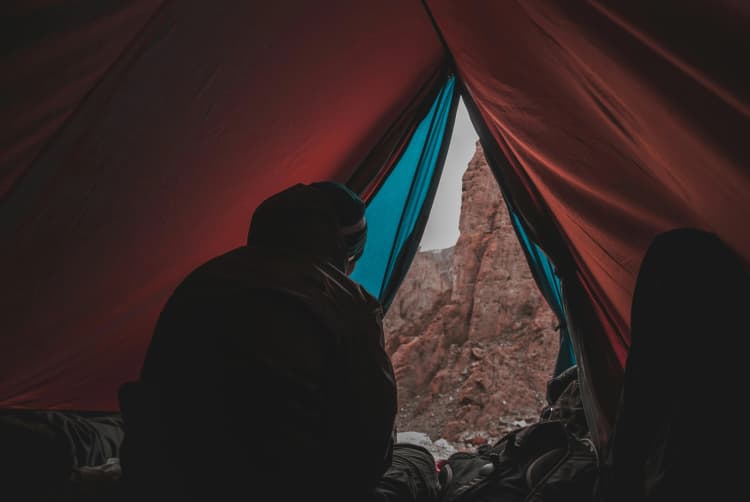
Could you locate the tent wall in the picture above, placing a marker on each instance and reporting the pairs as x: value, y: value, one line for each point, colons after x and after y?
x: 52, y: 54
x: 620, y: 120
x: 211, y: 108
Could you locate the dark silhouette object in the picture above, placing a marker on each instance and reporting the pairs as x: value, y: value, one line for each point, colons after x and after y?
x: 266, y: 375
x: 678, y: 434
x: 42, y: 453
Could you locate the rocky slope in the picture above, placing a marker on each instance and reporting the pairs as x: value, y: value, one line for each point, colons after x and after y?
x: 472, y: 340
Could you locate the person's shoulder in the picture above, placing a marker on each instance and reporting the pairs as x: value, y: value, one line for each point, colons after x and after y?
x: 211, y: 272
x: 226, y: 261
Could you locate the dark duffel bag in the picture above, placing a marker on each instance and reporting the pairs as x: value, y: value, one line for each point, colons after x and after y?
x: 540, y: 462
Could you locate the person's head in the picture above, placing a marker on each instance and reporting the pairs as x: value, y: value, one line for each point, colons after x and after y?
x: 350, y: 210
x: 323, y: 220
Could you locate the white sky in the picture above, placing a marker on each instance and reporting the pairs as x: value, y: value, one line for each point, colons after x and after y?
x: 442, y: 227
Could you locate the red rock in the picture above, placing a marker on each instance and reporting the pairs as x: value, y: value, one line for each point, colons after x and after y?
x: 468, y: 332
x: 478, y: 440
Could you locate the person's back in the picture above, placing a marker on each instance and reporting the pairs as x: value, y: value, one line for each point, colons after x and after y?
x: 266, y: 372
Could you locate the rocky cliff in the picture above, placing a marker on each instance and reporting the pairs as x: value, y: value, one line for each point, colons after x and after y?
x: 472, y: 340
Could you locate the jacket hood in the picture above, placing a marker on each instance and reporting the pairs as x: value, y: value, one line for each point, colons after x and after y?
x: 301, y: 220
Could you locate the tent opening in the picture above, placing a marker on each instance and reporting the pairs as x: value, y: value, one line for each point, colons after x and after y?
x: 472, y: 337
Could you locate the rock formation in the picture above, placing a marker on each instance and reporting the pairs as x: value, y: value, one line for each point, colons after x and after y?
x: 472, y: 340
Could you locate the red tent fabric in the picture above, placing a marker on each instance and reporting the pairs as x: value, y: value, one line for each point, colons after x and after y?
x: 52, y: 54
x: 208, y: 109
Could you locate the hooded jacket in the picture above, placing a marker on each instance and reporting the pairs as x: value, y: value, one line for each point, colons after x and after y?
x: 266, y: 371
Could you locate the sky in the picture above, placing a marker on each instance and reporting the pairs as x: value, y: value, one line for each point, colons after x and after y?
x: 442, y: 226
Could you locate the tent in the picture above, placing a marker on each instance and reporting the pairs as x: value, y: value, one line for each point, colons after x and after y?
x: 136, y: 138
